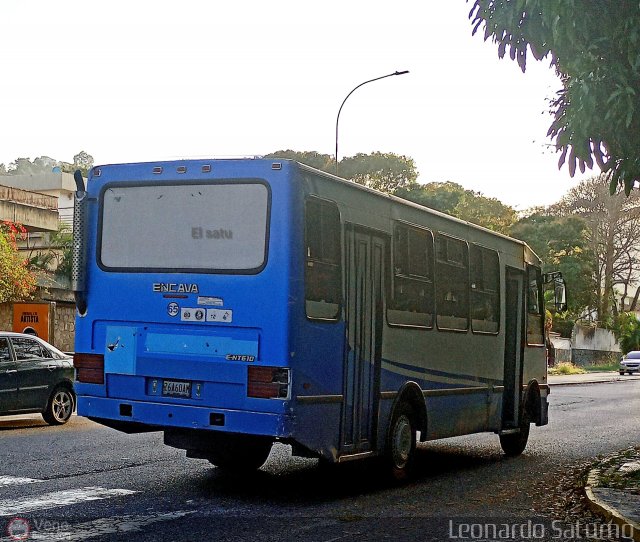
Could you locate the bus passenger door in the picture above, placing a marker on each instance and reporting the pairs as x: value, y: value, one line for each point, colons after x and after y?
x: 513, y: 348
x: 364, y: 271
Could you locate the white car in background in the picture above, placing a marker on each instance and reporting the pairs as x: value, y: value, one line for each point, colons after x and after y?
x: 630, y: 363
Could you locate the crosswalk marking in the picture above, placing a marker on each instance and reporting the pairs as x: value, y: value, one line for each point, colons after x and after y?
x: 12, y: 507
x: 17, y: 481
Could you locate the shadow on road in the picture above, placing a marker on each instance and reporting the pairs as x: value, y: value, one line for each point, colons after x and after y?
x: 22, y: 423
x: 314, y: 482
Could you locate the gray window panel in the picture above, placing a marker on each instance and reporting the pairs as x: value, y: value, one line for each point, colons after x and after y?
x: 213, y: 227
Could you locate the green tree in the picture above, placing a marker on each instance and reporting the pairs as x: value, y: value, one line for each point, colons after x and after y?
x: 382, y: 171
x: 63, y: 242
x: 24, y: 166
x: 386, y: 172
x: 628, y: 332
x: 443, y: 197
x: 613, y: 231
x: 45, y: 164
x: 490, y: 213
x: 453, y: 199
x: 82, y: 161
x: 594, y: 47
x: 17, y: 283
x: 57, y: 257
x: 323, y: 162
x: 563, y: 245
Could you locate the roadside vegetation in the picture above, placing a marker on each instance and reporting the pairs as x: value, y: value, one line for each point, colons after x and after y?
x: 603, y: 367
x: 566, y: 368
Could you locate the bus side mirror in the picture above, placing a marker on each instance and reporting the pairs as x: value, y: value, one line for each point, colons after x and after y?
x: 559, y: 290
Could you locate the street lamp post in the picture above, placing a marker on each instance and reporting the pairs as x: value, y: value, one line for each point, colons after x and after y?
x: 350, y: 93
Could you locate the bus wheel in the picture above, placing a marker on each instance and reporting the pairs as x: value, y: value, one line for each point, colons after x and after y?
x: 241, y: 455
x: 59, y: 407
x: 513, y: 444
x: 401, y: 441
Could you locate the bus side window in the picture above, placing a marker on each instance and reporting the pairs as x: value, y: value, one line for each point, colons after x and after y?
x: 323, y: 277
x: 452, y: 283
x: 535, y: 314
x: 412, y: 300
x: 485, y: 288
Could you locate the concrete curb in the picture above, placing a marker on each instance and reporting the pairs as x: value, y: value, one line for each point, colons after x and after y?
x: 609, y: 380
x: 582, y: 382
x: 604, y: 509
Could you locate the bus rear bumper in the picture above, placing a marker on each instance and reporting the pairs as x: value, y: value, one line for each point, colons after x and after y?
x: 158, y: 416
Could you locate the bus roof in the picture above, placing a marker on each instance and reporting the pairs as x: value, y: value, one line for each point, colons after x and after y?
x: 529, y: 255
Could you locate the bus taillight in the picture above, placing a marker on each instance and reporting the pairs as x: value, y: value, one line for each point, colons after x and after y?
x: 268, y: 382
x: 89, y: 368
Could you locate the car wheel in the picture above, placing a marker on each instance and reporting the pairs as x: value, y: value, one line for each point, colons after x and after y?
x: 621, y: 373
x: 59, y: 407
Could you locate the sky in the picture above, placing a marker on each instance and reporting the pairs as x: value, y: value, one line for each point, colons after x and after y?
x: 143, y: 81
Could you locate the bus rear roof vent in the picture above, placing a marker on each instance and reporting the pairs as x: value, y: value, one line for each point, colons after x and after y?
x: 276, y: 165
x: 157, y: 170
x: 206, y: 168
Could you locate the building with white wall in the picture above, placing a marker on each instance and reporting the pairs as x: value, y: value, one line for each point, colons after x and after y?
x: 56, y: 184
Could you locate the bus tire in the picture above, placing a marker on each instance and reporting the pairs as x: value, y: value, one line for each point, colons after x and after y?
x: 513, y: 444
x: 401, y: 442
x: 241, y: 455
x: 59, y: 406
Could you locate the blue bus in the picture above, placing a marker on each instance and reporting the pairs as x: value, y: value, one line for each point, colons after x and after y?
x: 234, y: 303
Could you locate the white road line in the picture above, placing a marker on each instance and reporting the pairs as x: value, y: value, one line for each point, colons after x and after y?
x: 12, y: 507
x: 17, y: 481
x: 64, y: 532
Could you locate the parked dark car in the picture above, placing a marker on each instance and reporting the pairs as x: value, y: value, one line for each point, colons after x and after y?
x: 35, y: 377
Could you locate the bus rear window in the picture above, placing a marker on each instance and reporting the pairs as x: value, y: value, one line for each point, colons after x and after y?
x: 210, y: 227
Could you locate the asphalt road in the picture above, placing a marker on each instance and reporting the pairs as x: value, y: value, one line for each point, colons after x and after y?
x: 86, y: 482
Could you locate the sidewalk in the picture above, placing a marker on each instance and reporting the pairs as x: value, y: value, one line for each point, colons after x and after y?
x: 590, y: 378
x: 613, y: 486
x: 613, y: 490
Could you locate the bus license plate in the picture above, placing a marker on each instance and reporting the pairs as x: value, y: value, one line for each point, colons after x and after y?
x: 171, y: 388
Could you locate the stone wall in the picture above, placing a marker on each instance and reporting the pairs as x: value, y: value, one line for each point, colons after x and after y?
x: 64, y: 326
x: 584, y: 357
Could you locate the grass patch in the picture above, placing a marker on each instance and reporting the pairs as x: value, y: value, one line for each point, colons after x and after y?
x: 611, y: 366
x: 566, y: 368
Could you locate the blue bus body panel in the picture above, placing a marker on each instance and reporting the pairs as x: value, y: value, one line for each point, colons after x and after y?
x: 145, y: 342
